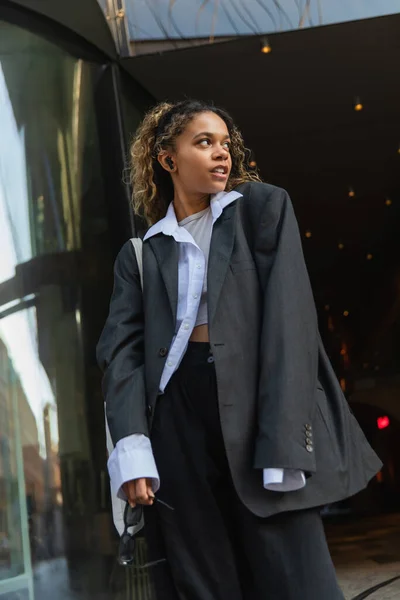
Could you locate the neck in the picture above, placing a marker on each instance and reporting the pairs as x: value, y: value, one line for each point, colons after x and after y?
x: 186, y: 204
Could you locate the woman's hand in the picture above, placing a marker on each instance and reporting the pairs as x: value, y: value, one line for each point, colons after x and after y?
x: 139, y: 491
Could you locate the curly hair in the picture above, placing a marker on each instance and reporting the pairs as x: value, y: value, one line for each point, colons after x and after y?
x: 152, y: 186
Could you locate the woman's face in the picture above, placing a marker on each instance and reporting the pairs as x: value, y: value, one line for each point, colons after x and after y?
x: 202, y: 159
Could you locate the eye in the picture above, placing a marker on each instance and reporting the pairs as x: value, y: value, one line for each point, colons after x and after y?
x: 227, y: 145
x: 204, y: 142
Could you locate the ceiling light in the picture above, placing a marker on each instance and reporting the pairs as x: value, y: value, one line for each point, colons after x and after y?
x: 358, y: 105
x: 265, y: 46
x: 369, y: 256
x: 308, y: 234
x: 340, y: 246
x: 388, y: 202
x: 351, y: 193
x: 252, y: 164
x: 346, y: 313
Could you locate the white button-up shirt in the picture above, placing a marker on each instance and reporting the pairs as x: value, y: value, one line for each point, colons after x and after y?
x: 132, y: 457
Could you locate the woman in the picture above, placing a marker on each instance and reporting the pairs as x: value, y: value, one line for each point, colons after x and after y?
x: 219, y: 392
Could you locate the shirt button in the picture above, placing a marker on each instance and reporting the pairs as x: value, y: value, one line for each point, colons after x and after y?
x: 198, y: 265
x: 170, y: 363
x: 186, y: 326
x: 195, y: 296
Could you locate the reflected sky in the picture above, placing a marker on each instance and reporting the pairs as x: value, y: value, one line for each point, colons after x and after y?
x: 201, y: 18
x: 18, y: 331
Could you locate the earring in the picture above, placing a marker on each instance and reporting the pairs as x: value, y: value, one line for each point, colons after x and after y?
x: 169, y: 162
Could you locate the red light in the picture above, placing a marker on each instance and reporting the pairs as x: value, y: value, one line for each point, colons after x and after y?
x: 383, y: 422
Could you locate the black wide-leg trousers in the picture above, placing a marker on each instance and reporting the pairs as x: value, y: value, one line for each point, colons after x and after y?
x: 216, y: 549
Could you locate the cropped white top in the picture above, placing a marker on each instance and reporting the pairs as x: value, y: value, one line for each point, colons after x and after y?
x: 200, y: 227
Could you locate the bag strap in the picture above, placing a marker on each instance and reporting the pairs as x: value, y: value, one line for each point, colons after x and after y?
x: 118, y: 505
x: 138, y: 247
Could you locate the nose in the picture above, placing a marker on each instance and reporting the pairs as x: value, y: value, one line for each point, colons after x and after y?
x: 221, y: 153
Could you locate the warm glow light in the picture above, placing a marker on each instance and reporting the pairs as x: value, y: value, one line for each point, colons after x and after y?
x: 383, y: 422
x: 388, y: 202
x: 358, y: 105
x: 308, y: 234
x: 346, y: 313
x: 265, y: 46
x: 369, y: 256
x: 340, y: 246
x: 327, y: 307
x: 351, y: 193
x: 252, y: 163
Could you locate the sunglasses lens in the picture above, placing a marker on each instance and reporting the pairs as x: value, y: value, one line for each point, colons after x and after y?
x: 133, y: 515
x: 126, y: 550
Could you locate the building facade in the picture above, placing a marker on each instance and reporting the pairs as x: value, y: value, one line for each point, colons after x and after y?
x: 65, y: 113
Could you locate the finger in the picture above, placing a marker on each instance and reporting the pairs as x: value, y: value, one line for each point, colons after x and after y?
x: 142, y: 496
x: 131, y: 494
x: 150, y: 492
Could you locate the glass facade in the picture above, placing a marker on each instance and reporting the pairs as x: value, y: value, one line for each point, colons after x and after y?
x: 56, y: 536
x: 194, y: 19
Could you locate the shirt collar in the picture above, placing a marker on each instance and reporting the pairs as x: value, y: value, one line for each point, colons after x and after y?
x: 169, y: 224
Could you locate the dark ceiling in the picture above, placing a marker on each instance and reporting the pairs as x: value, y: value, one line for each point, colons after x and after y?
x: 84, y: 18
x: 295, y: 109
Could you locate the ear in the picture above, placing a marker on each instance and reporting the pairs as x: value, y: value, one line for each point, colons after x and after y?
x: 166, y: 161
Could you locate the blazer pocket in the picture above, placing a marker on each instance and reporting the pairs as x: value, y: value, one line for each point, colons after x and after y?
x: 242, y: 265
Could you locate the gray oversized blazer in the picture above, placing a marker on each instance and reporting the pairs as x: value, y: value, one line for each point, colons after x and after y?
x: 279, y: 399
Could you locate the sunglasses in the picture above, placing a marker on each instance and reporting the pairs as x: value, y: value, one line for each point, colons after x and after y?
x: 127, y: 542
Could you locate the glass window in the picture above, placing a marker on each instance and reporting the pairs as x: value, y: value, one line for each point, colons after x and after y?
x: 194, y: 19
x: 56, y: 536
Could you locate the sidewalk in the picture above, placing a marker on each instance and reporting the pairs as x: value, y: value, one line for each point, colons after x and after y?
x: 367, y: 553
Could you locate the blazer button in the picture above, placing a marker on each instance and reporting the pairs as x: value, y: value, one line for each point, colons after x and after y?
x: 309, y: 448
x: 150, y: 410
x: 163, y: 352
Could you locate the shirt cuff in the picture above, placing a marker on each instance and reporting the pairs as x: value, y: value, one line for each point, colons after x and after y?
x: 132, y: 458
x: 283, y: 480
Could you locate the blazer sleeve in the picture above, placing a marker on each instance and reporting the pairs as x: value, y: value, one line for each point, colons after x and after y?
x: 288, y: 342
x: 120, y: 351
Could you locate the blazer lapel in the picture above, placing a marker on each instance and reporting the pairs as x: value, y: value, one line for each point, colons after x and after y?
x: 222, y: 240
x: 165, y: 249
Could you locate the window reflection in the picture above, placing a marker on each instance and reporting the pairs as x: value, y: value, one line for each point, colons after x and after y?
x: 192, y: 19
x: 53, y: 228
x: 30, y: 475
